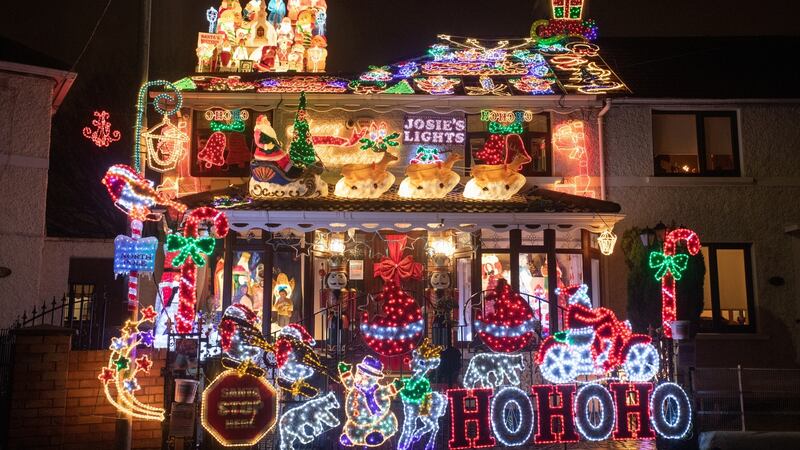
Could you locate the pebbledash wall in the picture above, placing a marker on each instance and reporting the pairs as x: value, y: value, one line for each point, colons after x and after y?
x: 25, y: 113
x: 760, y: 207
x: 57, y: 401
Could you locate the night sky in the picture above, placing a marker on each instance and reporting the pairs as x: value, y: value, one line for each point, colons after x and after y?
x: 361, y: 32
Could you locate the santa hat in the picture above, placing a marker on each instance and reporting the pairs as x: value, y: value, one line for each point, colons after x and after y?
x: 371, y: 366
x: 297, y: 331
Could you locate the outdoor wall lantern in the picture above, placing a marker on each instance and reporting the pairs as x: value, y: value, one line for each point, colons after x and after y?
x: 648, y: 236
x: 441, y: 243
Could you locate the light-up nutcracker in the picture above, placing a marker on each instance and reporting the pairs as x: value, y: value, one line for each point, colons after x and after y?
x: 669, y: 268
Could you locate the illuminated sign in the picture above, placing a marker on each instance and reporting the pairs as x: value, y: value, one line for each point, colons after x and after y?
x: 134, y: 255
x: 496, y: 115
x: 442, y: 130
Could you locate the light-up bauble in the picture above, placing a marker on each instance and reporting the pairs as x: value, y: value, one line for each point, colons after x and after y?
x: 510, y: 327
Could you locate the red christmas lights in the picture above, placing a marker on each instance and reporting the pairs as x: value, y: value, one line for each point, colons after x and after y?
x: 668, y: 308
x: 213, y: 153
x: 510, y: 327
x: 640, y: 409
x: 460, y: 417
x: 184, y: 319
x: 102, y: 136
x: 493, y: 151
x: 546, y: 411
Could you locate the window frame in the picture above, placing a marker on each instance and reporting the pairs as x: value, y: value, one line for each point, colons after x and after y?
x: 717, y: 326
x: 527, y: 136
x: 700, y: 117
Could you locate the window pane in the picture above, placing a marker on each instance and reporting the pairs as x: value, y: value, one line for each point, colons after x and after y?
x: 286, y: 292
x: 248, y: 281
x: 533, y: 285
x: 538, y: 124
x: 719, y: 145
x: 570, y: 269
x: 464, y: 286
x: 675, y: 143
x: 538, y: 150
x: 732, y: 287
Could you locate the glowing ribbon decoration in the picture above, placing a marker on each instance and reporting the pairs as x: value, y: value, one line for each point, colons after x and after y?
x: 184, y: 319
x: 669, y: 267
x: 190, y: 247
x: 121, y: 369
x: 395, y: 267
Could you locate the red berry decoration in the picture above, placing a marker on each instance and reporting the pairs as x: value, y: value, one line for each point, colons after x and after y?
x: 511, y: 326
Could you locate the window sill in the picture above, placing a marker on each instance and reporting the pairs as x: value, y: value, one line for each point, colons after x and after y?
x: 743, y: 336
x: 680, y: 181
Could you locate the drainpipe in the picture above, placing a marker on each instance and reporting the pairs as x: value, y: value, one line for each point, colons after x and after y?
x: 606, y: 107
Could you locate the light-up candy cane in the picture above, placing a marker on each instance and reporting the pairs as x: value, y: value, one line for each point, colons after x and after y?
x: 192, y: 247
x: 669, y: 267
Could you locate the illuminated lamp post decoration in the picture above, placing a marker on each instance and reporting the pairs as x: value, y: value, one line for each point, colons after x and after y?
x: 510, y: 327
x: 101, y: 136
x: 191, y: 248
x: 399, y: 329
x: 165, y: 145
x: 123, y: 367
x: 669, y: 268
x: 175, y: 98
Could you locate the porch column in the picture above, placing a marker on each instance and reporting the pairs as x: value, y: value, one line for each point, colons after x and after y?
x: 552, y: 277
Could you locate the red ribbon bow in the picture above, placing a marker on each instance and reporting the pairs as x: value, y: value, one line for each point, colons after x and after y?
x: 395, y: 267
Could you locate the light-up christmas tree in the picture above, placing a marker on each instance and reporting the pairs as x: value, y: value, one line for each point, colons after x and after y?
x: 301, y: 151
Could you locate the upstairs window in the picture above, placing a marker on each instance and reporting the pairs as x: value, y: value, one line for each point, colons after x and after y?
x: 687, y: 143
x: 535, y: 138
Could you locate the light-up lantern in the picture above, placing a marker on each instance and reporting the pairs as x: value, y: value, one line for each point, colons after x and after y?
x: 606, y: 241
x: 336, y: 243
x: 441, y: 243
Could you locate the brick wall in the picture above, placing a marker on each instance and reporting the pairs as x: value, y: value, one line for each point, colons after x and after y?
x: 57, y: 401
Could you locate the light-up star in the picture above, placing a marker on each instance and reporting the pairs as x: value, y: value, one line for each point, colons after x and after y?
x: 144, y: 363
x: 131, y: 385
x: 149, y: 314
x: 122, y: 363
x: 107, y: 375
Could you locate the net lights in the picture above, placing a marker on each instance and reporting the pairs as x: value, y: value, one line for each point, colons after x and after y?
x: 122, y: 369
x: 101, y: 136
x: 669, y: 267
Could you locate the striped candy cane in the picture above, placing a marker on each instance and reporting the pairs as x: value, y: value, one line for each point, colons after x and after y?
x: 192, y: 248
x: 133, y: 277
x: 669, y: 267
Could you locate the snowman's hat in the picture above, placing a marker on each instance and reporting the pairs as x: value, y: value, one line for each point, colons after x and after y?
x: 371, y: 365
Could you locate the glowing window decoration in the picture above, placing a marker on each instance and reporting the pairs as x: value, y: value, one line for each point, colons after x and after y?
x: 419, y: 401
x: 174, y: 98
x: 400, y: 327
x: 370, y: 421
x: 546, y: 411
x: 487, y: 87
x: 377, y: 73
x: 571, y: 137
x: 594, y: 342
x: 135, y: 195
x: 533, y: 85
x: 378, y: 138
x: 211, y: 16
x: 594, y: 412
x: 520, y: 430
x: 669, y: 268
x: 101, y: 135
x: 403, y: 87
x: 192, y: 246
x: 120, y: 373
x: 134, y: 255
x: 511, y: 326
x: 239, y: 409
x: 606, y: 241
x: 670, y: 411
x: 307, y: 84
x: 487, y: 370
x: 637, y: 406
x: 437, y: 85
x: 166, y: 145
x: 439, y: 130
x: 461, y: 416
x: 316, y: 414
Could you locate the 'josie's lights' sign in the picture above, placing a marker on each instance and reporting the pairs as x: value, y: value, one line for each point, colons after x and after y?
x: 592, y: 412
x: 441, y: 130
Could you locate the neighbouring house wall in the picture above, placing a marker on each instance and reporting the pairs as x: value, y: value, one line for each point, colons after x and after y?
x: 57, y: 402
x: 25, y: 105
x: 54, y: 281
x: 754, y: 208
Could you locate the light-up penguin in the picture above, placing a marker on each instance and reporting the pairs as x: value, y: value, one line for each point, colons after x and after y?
x: 370, y: 421
x: 419, y: 401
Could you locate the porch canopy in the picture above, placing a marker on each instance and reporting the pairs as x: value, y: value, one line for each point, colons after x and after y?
x: 533, y: 208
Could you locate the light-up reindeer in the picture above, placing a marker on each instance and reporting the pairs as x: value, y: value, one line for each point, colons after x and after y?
x: 419, y: 401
